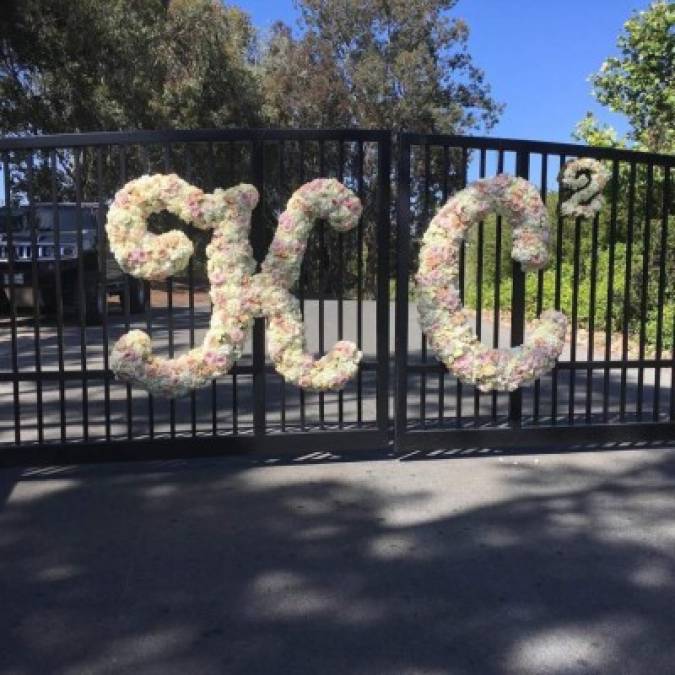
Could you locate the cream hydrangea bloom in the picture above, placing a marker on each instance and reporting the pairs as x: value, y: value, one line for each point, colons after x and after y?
x: 444, y: 321
x: 239, y: 295
x: 583, y: 180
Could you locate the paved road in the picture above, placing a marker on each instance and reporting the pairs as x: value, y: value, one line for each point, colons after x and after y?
x: 95, y: 392
x: 563, y: 565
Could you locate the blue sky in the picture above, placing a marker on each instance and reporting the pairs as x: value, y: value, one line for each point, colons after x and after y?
x: 536, y: 54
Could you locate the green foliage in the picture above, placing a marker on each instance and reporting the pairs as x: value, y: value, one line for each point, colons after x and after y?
x: 594, y: 273
x: 89, y: 65
x: 121, y: 64
x: 392, y: 64
x: 583, y: 300
x: 395, y: 64
x: 639, y: 83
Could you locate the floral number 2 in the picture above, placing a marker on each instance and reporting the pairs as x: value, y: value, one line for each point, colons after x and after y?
x: 238, y: 293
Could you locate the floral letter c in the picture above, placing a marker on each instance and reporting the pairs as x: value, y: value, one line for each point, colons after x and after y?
x: 442, y: 317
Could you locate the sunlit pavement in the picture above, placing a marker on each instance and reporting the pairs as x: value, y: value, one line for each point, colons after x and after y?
x: 531, y: 564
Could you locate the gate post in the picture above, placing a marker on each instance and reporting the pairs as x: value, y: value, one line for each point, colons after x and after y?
x: 258, y: 242
x: 402, y: 277
x: 518, y: 304
x: 383, y: 262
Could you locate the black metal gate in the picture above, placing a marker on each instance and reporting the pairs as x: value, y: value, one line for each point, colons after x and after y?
x: 615, y: 381
x: 58, y: 397
x: 60, y: 402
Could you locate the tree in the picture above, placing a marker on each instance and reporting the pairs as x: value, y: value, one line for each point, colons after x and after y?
x: 119, y: 64
x: 402, y: 65
x: 639, y: 83
x: 394, y: 64
x: 89, y: 65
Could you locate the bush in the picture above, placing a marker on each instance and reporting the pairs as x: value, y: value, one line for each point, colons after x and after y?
x: 583, y: 295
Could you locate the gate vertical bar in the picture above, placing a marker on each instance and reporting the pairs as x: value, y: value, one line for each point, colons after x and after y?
x: 543, y: 189
x: 402, y: 273
x: 425, y: 219
x: 382, y: 310
x: 576, y: 274
x: 103, y: 286
x: 557, y: 302
x: 610, y: 289
x: 258, y: 241
x: 281, y: 169
x: 461, y: 282
x: 302, y: 283
x: 33, y: 225
x: 145, y: 162
x: 627, y: 288
x: 321, y: 227
x: 496, y: 316
x: 480, y: 245
x: 646, y: 253
x: 58, y: 290
x: 127, y: 299
x: 210, y: 184
x: 444, y: 198
x: 340, y: 286
x: 518, y: 304
x: 14, y: 342
x: 191, y: 293
x: 166, y: 160
x: 590, y: 349
x: 359, y: 282
x: 663, y: 251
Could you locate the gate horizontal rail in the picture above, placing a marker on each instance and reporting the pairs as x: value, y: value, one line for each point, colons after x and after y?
x: 614, y: 277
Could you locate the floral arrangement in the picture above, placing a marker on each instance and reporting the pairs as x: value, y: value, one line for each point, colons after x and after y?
x: 237, y: 292
x: 447, y: 325
x: 581, y: 184
x: 147, y: 255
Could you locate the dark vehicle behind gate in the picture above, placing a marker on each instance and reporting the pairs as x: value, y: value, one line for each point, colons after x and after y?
x: 50, y: 249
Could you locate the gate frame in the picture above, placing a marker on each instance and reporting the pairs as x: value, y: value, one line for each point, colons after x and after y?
x: 514, y: 434
x: 282, y: 442
x: 385, y: 430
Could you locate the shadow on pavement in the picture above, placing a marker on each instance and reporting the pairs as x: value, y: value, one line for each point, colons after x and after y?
x: 551, y: 565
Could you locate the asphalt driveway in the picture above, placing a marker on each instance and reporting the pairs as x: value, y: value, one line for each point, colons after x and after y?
x: 556, y: 564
